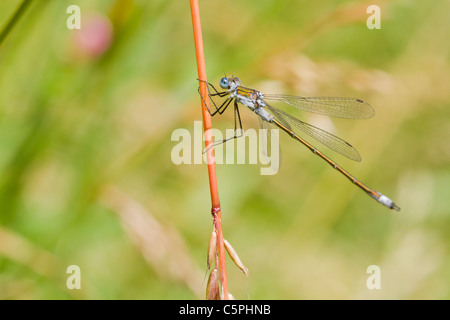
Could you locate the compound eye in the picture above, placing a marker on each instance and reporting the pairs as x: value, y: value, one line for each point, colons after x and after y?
x: 224, y: 83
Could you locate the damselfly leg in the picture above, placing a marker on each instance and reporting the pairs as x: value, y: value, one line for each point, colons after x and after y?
x: 238, y: 130
x: 223, y: 105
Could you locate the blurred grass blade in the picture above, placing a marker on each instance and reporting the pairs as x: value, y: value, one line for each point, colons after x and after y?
x: 14, y: 19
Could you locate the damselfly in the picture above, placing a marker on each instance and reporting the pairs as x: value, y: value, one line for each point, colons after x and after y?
x: 349, y: 108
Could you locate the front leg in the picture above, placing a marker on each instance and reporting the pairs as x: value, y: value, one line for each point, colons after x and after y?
x: 237, y: 121
x: 214, y: 94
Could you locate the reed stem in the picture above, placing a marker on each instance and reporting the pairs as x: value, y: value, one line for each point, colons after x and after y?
x: 215, y: 202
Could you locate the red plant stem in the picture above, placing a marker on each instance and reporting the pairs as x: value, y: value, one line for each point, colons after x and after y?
x: 215, y: 211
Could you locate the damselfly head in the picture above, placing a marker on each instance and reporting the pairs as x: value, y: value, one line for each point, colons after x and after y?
x: 235, y: 82
x: 230, y: 83
x: 224, y: 83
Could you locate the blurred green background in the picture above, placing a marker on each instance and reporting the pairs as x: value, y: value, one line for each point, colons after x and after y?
x: 86, y: 118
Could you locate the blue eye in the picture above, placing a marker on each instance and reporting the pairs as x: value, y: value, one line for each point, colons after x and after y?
x: 224, y: 83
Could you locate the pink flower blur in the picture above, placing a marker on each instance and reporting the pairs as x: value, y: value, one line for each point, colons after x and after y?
x: 95, y: 36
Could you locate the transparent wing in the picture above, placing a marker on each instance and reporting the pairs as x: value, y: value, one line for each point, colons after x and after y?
x: 279, y: 115
x: 331, y: 141
x: 266, y: 148
x: 339, y: 107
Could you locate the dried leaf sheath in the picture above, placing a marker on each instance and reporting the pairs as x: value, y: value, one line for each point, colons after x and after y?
x: 234, y: 256
x: 212, y: 288
x: 212, y: 249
